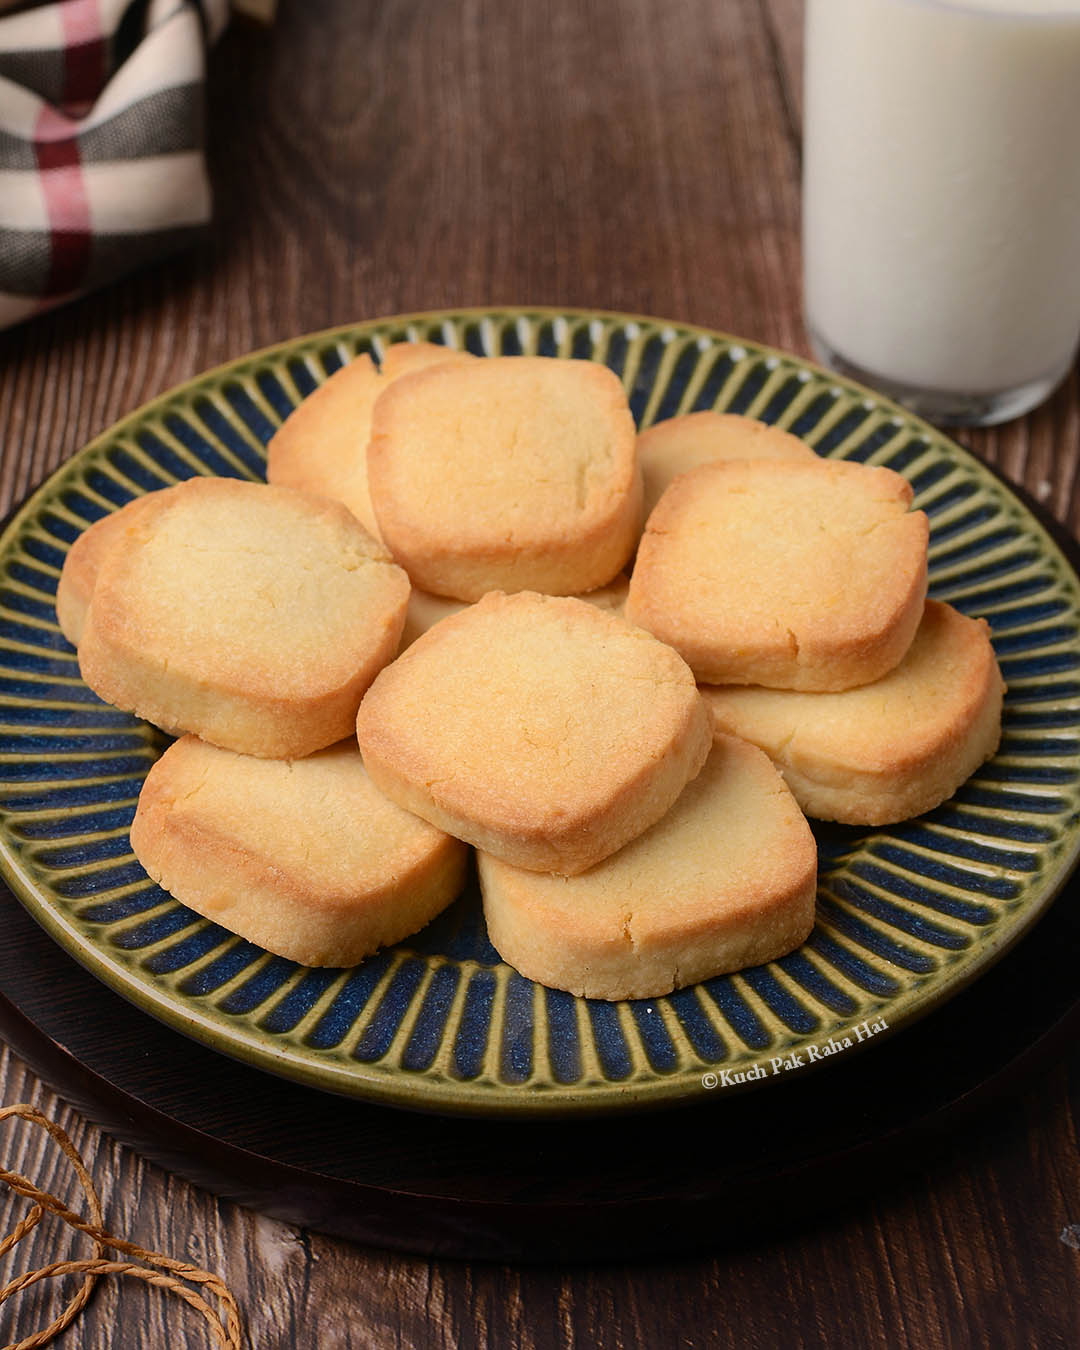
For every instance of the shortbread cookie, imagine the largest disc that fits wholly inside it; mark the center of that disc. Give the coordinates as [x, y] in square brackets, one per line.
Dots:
[405, 358]
[784, 574]
[682, 443]
[322, 446]
[888, 750]
[512, 473]
[79, 573]
[305, 859]
[725, 880]
[538, 728]
[254, 616]
[425, 609]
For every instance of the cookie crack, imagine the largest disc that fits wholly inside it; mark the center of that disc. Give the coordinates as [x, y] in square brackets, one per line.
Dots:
[191, 792]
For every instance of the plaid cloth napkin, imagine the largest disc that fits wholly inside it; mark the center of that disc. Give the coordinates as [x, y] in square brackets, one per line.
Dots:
[101, 141]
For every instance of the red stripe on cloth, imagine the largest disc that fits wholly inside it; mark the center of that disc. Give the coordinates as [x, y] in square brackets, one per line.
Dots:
[84, 51]
[84, 75]
[66, 202]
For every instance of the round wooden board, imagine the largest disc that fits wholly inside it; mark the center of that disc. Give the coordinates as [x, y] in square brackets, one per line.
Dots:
[641, 1185]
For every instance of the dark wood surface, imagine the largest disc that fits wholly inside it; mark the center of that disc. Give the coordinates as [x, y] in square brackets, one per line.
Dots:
[408, 154]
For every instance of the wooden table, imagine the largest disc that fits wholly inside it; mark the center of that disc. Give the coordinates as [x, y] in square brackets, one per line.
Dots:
[624, 154]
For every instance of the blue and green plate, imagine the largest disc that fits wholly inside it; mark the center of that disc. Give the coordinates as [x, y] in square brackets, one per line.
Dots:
[907, 915]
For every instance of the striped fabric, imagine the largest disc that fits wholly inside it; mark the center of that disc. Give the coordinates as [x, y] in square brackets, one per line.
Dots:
[101, 141]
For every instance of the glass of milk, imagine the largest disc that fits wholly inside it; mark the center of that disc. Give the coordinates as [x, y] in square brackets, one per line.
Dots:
[941, 199]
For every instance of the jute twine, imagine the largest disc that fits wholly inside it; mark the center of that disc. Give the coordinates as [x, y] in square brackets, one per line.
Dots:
[157, 1269]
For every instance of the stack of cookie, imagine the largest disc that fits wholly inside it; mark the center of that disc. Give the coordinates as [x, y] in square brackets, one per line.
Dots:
[412, 640]
[796, 590]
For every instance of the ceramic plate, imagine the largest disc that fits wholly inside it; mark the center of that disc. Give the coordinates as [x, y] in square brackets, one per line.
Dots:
[907, 915]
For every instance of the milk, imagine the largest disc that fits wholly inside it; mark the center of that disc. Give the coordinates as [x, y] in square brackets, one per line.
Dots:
[942, 190]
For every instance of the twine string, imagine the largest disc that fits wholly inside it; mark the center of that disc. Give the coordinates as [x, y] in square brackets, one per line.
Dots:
[157, 1269]
[81, 1297]
[21, 1229]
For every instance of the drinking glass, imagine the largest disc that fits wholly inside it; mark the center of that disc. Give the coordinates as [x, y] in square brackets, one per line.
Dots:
[941, 199]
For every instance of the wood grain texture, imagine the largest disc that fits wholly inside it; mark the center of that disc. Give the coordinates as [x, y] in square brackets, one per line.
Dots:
[629, 154]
